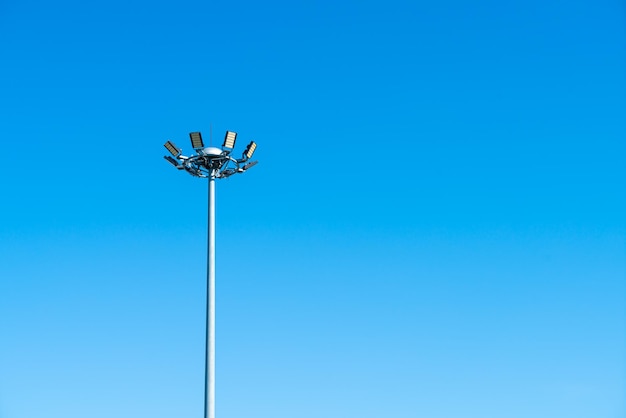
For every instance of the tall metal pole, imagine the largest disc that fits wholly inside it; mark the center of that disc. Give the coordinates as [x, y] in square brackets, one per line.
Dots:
[209, 377]
[212, 163]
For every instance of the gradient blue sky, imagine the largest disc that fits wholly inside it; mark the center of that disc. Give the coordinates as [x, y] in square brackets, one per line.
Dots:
[436, 227]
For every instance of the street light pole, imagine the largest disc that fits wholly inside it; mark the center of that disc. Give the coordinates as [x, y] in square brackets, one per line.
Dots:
[209, 373]
[212, 163]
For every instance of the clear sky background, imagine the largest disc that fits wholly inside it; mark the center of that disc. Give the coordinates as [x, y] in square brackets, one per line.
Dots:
[436, 227]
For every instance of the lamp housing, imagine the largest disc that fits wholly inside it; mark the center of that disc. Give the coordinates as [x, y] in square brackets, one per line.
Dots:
[247, 154]
[196, 140]
[172, 148]
[229, 140]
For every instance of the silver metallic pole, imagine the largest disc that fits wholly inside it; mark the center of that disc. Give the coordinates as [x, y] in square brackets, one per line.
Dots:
[212, 163]
[209, 377]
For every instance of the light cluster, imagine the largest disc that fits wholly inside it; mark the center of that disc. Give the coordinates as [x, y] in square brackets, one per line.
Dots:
[211, 161]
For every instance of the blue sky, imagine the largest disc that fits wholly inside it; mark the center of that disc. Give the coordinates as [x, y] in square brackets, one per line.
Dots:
[435, 228]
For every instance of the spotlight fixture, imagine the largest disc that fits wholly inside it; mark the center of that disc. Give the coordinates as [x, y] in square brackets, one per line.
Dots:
[173, 149]
[250, 164]
[174, 162]
[229, 140]
[247, 154]
[196, 140]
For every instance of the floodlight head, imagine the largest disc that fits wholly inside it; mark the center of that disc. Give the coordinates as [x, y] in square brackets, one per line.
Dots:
[173, 149]
[172, 161]
[196, 140]
[249, 150]
[247, 166]
[229, 140]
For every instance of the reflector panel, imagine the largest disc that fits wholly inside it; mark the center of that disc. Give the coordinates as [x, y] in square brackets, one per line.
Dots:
[250, 150]
[229, 140]
[173, 149]
[196, 140]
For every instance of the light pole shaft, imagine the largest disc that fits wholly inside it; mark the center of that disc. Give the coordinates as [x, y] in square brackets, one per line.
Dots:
[209, 377]
[212, 163]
